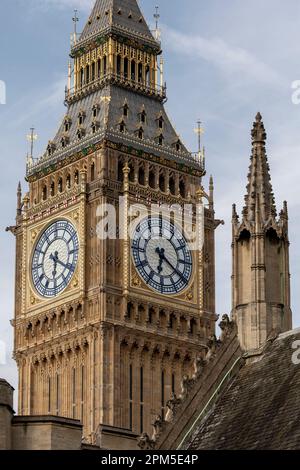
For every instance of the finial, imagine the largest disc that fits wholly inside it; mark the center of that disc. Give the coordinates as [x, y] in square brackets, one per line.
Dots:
[19, 199]
[235, 216]
[157, 32]
[201, 151]
[258, 133]
[75, 20]
[211, 183]
[32, 137]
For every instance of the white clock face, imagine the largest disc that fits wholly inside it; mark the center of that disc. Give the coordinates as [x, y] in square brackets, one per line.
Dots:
[55, 259]
[161, 256]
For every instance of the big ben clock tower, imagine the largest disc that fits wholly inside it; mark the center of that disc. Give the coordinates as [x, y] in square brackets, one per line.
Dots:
[109, 318]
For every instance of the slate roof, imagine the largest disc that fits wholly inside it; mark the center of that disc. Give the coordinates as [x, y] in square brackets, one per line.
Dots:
[114, 112]
[260, 409]
[122, 15]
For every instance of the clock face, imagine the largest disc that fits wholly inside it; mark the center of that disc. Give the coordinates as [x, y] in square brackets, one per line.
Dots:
[55, 259]
[161, 256]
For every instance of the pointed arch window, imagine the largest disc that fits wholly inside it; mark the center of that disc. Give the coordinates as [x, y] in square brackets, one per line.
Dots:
[178, 146]
[80, 133]
[140, 72]
[162, 183]
[64, 141]
[122, 127]
[152, 179]
[126, 67]
[119, 62]
[142, 178]
[92, 171]
[60, 185]
[160, 139]
[160, 122]
[125, 110]
[133, 73]
[44, 193]
[143, 117]
[67, 124]
[93, 74]
[172, 186]
[182, 189]
[95, 110]
[95, 126]
[81, 117]
[141, 133]
[68, 181]
[51, 148]
[52, 189]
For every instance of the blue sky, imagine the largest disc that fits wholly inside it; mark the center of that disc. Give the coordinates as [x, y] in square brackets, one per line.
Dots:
[224, 62]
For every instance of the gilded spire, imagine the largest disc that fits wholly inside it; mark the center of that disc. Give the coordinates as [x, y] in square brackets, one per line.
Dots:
[259, 189]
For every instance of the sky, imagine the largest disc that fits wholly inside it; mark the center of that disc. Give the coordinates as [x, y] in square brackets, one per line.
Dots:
[225, 61]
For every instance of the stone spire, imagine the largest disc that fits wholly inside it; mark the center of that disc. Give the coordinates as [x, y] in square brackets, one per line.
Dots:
[261, 299]
[259, 188]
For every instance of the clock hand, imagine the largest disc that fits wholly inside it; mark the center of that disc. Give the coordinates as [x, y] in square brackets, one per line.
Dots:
[160, 254]
[174, 269]
[55, 260]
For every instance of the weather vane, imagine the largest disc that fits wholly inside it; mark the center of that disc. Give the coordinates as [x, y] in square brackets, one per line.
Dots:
[32, 137]
[157, 17]
[75, 20]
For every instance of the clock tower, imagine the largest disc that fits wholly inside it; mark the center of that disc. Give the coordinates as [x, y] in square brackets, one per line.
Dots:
[113, 301]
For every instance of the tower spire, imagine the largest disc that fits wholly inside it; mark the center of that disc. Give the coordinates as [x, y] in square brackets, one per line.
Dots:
[260, 251]
[259, 188]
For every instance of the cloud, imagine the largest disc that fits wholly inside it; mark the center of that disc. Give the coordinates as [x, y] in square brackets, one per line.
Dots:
[83, 5]
[231, 60]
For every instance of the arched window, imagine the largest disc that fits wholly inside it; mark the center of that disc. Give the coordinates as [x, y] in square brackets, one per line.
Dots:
[132, 73]
[160, 140]
[99, 68]
[52, 189]
[122, 127]
[68, 181]
[140, 73]
[44, 193]
[143, 117]
[60, 185]
[76, 177]
[93, 71]
[148, 75]
[162, 183]
[141, 133]
[120, 172]
[152, 179]
[81, 77]
[160, 123]
[92, 171]
[141, 176]
[182, 189]
[87, 74]
[126, 67]
[104, 65]
[118, 65]
[172, 186]
[132, 173]
[125, 110]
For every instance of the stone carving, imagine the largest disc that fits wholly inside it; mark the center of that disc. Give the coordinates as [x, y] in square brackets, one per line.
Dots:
[157, 427]
[213, 344]
[172, 406]
[226, 327]
[145, 443]
[199, 364]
